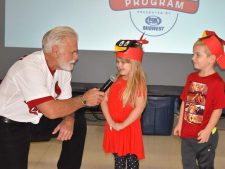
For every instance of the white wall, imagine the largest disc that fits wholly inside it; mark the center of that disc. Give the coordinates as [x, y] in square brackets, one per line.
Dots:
[96, 66]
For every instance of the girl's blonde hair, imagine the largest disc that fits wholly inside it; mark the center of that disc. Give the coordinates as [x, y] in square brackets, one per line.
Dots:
[136, 82]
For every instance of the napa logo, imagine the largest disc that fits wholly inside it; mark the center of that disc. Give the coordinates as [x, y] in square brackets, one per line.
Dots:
[154, 17]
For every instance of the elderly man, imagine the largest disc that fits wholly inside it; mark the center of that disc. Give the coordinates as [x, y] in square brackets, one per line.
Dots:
[40, 84]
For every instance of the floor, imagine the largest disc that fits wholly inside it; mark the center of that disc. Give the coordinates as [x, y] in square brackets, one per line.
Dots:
[162, 152]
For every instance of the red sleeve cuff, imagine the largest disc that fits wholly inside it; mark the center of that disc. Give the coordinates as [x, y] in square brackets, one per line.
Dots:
[34, 103]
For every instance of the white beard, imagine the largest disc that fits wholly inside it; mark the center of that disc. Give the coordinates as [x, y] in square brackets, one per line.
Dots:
[66, 66]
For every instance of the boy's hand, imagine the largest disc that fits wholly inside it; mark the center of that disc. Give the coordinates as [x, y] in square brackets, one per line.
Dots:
[177, 130]
[203, 136]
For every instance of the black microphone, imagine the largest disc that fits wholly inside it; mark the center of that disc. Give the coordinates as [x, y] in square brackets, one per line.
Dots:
[108, 83]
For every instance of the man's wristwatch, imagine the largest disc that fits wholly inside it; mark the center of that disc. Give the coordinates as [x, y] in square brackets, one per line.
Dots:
[84, 102]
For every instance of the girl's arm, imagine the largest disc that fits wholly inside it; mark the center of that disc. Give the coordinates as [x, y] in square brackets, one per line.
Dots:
[139, 106]
[177, 129]
[105, 110]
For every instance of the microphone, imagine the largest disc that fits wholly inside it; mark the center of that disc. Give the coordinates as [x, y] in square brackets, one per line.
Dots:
[108, 83]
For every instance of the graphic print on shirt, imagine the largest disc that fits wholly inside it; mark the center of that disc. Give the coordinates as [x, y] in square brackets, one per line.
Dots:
[34, 110]
[32, 104]
[195, 104]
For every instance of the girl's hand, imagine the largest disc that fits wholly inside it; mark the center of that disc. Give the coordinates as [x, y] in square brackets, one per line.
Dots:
[118, 126]
[111, 124]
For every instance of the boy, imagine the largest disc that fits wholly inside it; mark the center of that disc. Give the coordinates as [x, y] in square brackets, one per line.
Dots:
[203, 99]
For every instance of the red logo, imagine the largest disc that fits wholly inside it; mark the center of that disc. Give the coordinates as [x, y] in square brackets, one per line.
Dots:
[34, 110]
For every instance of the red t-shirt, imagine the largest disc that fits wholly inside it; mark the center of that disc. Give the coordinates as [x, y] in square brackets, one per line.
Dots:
[201, 95]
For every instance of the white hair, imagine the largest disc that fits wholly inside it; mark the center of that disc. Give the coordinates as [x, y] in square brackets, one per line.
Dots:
[55, 36]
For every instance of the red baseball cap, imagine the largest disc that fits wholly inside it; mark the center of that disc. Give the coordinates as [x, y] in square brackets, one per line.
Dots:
[215, 45]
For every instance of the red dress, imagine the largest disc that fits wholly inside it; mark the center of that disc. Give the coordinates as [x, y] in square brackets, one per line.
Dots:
[129, 139]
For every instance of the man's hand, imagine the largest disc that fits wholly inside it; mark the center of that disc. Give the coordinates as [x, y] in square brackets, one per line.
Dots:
[65, 128]
[93, 97]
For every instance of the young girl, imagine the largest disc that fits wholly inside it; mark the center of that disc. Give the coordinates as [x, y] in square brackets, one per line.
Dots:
[123, 105]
